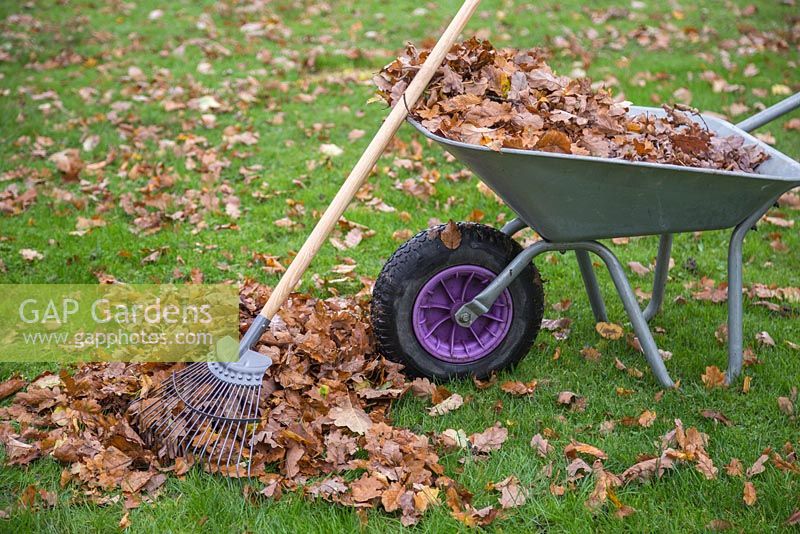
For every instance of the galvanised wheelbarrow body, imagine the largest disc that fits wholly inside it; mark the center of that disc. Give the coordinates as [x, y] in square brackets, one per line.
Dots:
[571, 201]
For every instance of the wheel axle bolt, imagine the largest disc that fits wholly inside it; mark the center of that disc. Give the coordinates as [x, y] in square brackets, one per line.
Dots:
[463, 318]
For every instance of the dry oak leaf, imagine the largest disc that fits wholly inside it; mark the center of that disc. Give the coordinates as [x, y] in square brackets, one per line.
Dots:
[734, 468]
[425, 497]
[11, 386]
[603, 489]
[330, 150]
[716, 416]
[713, 377]
[638, 268]
[765, 339]
[575, 402]
[793, 519]
[554, 141]
[454, 439]
[519, 388]
[758, 466]
[718, 525]
[451, 236]
[572, 450]
[785, 405]
[125, 522]
[490, 439]
[352, 417]
[609, 330]
[577, 469]
[591, 354]
[512, 494]
[749, 494]
[705, 465]
[542, 446]
[648, 468]
[29, 254]
[68, 162]
[647, 418]
[449, 404]
[367, 488]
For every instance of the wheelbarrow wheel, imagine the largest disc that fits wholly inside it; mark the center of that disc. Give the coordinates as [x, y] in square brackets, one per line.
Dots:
[425, 282]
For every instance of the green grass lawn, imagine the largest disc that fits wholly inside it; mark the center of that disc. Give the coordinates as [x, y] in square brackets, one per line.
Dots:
[72, 70]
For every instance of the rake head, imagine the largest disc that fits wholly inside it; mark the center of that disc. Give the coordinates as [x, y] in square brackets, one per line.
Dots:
[208, 410]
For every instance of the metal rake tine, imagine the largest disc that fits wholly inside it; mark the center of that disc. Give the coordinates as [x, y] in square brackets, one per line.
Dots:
[255, 412]
[168, 384]
[230, 427]
[188, 420]
[195, 420]
[212, 418]
[242, 412]
[219, 418]
[252, 394]
[221, 450]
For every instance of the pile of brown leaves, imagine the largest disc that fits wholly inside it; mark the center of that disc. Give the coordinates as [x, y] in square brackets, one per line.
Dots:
[512, 99]
[326, 413]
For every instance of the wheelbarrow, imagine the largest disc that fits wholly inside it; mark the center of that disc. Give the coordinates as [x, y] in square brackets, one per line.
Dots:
[470, 302]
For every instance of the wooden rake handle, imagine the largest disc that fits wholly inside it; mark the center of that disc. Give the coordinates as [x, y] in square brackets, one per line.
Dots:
[368, 159]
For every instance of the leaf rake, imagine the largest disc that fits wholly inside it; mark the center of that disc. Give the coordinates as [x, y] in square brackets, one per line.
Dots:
[210, 410]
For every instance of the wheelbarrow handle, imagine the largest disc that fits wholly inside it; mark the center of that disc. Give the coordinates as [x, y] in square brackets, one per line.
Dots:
[771, 113]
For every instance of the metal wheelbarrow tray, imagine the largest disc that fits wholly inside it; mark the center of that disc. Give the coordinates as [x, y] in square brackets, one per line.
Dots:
[571, 201]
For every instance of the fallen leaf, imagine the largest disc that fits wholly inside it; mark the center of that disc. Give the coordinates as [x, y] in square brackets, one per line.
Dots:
[572, 450]
[647, 418]
[490, 439]
[758, 466]
[609, 330]
[512, 495]
[765, 339]
[785, 405]
[542, 446]
[453, 402]
[718, 525]
[713, 377]
[793, 519]
[519, 388]
[366, 488]
[749, 494]
[454, 439]
[352, 417]
[451, 235]
[69, 163]
[11, 386]
[330, 150]
[30, 255]
[734, 468]
[717, 416]
[638, 268]
[591, 354]
[575, 402]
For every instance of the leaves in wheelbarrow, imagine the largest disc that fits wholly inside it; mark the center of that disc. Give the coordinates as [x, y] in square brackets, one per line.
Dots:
[508, 98]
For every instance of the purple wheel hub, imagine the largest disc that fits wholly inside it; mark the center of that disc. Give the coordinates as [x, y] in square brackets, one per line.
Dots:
[434, 312]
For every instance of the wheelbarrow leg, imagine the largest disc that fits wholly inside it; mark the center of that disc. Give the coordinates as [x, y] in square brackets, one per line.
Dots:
[660, 278]
[470, 311]
[592, 288]
[635, 314]
[735, 313]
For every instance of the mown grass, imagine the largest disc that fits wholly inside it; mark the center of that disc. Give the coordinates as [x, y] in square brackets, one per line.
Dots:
[681, 501]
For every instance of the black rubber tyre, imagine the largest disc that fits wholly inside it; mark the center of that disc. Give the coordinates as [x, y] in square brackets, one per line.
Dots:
[416, 262]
